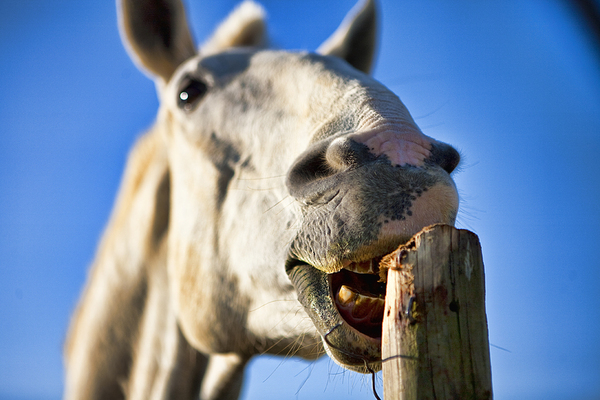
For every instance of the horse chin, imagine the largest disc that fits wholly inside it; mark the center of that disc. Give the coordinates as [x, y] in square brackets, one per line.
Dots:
[347, 310]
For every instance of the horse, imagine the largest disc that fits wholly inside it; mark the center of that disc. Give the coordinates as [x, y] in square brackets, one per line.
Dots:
[253, 214]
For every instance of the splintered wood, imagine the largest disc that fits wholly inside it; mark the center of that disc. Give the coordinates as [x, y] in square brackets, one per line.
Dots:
[435, 336]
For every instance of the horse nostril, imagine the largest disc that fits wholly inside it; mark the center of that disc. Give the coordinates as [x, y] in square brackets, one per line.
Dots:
[315, 174]
[311, 165]
[445, 156]
[305, 180]
[344, 153]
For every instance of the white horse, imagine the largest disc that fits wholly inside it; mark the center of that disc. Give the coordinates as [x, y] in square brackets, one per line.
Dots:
[253, 214]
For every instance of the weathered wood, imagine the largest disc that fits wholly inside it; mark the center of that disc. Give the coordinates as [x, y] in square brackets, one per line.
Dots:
[435, 336]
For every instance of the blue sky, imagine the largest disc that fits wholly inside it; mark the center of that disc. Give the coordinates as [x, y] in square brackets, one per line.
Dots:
[514, 85]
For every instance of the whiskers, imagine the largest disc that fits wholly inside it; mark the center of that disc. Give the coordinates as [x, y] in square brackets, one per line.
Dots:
[291, 321]
[283, 206]
[261, 178]
[467, 214]
[364, 359]
[322, 378]
[276, 182]
[430, 113]
[278, 199]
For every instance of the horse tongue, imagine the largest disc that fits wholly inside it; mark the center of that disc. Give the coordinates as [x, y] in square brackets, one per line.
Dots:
[361, 311]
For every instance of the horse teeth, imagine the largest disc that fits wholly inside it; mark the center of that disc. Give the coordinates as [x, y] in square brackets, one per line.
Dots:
[346, 295]
[366, 305]
[363, 267]
[361, 306]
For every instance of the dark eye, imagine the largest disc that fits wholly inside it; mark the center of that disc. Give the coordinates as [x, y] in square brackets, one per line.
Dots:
[191, 92]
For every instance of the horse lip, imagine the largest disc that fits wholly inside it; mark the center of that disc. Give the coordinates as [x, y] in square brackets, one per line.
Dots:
[345, 344]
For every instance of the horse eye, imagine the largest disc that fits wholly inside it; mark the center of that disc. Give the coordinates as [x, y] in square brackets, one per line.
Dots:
[192, 91]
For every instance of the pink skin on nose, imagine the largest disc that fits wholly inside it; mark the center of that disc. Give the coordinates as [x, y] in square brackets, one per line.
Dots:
[407, 147]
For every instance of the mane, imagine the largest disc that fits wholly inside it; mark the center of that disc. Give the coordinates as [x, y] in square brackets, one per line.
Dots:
[244, 26]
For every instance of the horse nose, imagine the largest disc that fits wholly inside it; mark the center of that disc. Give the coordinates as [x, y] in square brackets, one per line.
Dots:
[317, 173]
[348, 151]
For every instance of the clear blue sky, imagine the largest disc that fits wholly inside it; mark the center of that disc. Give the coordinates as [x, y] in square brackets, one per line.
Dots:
[514, 85]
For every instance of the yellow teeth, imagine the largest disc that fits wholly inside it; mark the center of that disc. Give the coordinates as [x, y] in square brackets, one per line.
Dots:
[366, 305]
[360, 305]
[363, 267]
[346, 295]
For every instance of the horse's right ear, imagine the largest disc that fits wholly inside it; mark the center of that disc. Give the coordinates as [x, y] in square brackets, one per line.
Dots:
[356, 38]
[156, 34]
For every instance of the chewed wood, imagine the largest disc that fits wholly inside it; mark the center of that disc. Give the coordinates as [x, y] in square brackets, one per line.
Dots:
[435, 336]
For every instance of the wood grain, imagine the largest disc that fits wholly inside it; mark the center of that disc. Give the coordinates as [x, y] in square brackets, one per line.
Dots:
[435, 336]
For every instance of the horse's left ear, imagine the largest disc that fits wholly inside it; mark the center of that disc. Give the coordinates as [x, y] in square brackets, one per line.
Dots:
[156, 34]
[355, 39]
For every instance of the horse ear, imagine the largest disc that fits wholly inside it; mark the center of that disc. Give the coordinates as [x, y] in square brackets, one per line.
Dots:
[356, 37]
[156, 34]
[244, 27]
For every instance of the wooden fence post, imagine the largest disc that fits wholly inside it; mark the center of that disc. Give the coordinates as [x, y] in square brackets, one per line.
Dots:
[435, 334]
